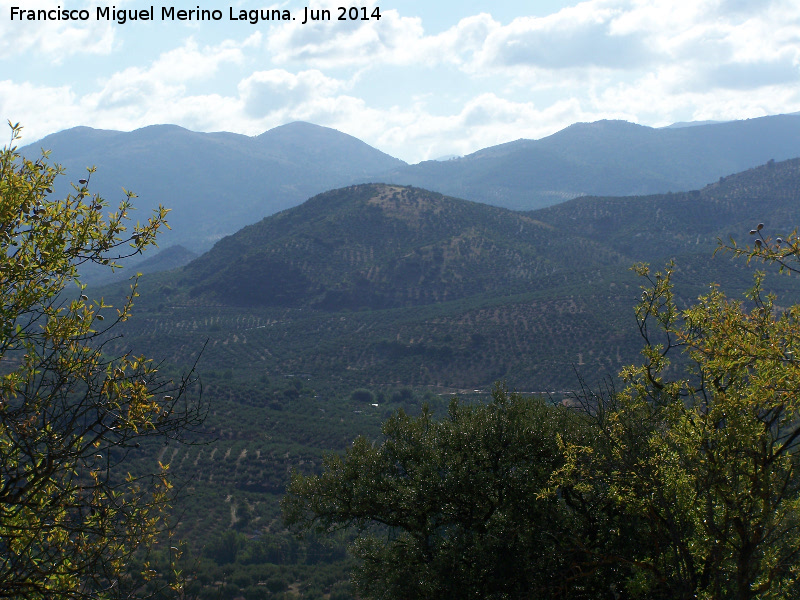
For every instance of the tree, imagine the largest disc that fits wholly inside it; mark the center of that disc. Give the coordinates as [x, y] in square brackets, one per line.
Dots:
[703, 453]
[456, 508]
[70, 520]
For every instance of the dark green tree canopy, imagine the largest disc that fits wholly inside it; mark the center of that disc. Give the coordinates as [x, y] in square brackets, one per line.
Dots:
[457, 507]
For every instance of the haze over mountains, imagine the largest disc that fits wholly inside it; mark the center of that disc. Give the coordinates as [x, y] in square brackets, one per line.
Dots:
[216, 183]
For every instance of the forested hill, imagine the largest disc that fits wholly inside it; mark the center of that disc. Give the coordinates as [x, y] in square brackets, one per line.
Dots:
[381, 246]
[654, 227]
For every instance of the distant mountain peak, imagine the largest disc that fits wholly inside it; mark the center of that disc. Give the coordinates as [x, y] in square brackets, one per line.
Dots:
[605, 123]
[214, 183]
[301, 125]
[607, 158]
[161, 127]
[296, 127]
[304, 130]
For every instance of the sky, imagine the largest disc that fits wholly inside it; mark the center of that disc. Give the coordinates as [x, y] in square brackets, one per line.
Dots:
[428, 79]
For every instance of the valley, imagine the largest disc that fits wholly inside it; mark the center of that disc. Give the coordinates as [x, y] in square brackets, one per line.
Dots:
[313, 324]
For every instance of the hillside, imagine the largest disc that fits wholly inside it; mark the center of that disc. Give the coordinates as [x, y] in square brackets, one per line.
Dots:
[375, 285]
[214, 183]
[651, 227]
[607, 158]
[163, 260]
[379, 246]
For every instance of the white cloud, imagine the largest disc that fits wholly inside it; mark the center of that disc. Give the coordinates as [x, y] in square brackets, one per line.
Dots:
[670, 94]
[485, 120]
[581, 36]
[190, 61]
[577, 43]
[333, 43]
[264, 92]
[52, 41]
[136, 96]
[40, 109]
[137, 90]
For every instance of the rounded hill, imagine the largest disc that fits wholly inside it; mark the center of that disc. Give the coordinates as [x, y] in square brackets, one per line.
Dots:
[381, 246]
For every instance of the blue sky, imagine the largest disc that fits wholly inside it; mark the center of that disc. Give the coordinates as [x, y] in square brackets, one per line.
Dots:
[426, 80]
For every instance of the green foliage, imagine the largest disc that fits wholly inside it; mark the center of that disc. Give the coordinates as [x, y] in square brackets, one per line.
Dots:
[451, 508]
[69, 412]
[705, 458]
[363, 396]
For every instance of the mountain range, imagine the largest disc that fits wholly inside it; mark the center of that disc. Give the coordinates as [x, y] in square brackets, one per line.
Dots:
[606, 158]
[216, 183]
[213, 183]
[330, 292]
